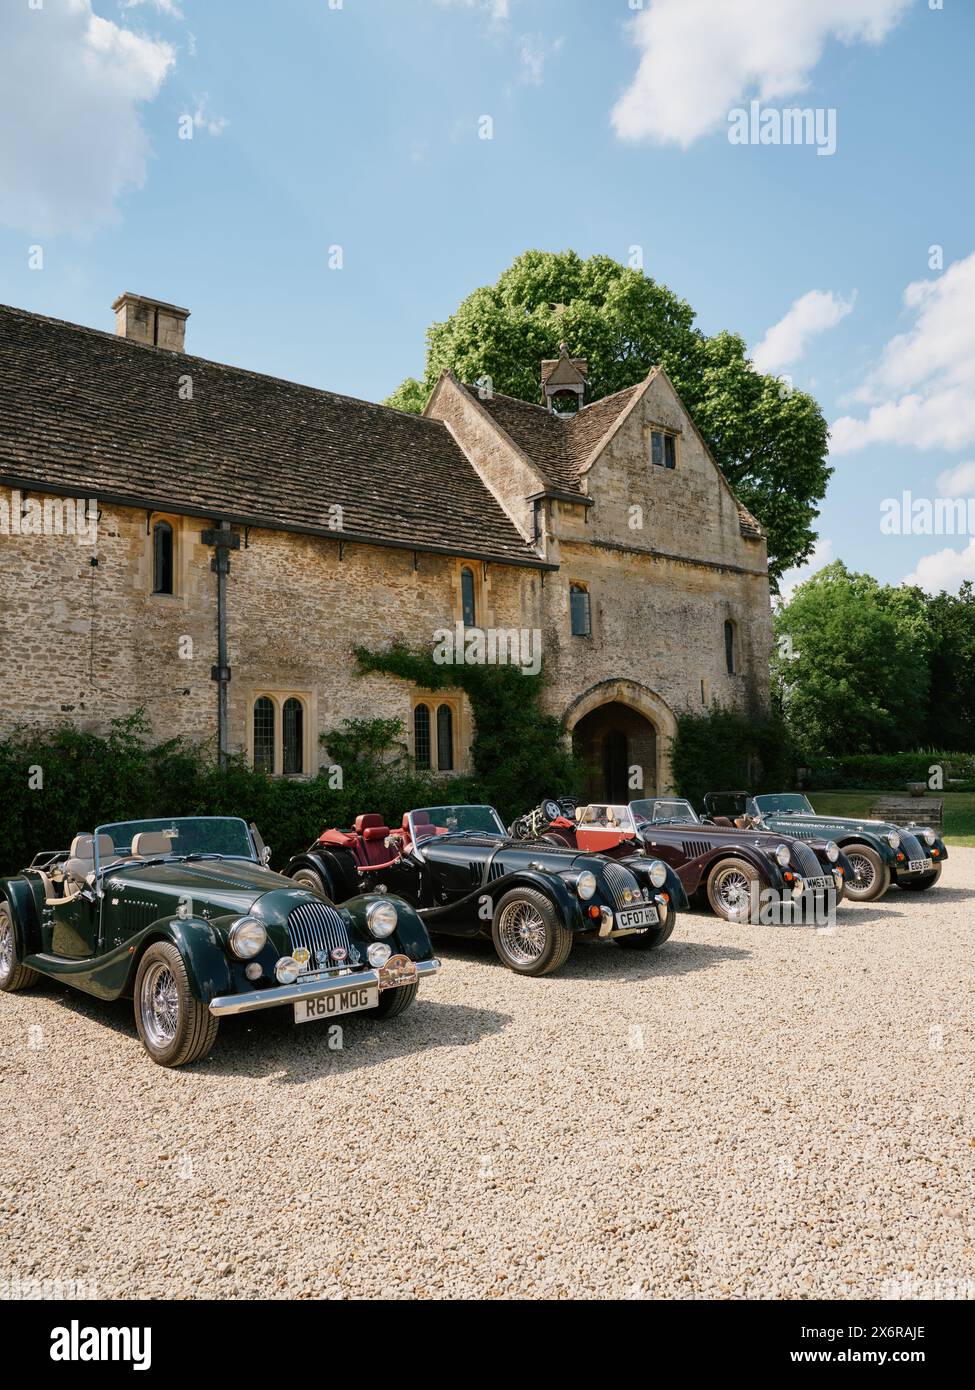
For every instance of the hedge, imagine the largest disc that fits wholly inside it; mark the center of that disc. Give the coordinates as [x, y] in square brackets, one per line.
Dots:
[723, 750]
[889, 771]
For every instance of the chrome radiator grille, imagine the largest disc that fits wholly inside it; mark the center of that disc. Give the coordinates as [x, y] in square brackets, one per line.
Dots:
[806, 860]
[318, 927]
[912, 846]
[618, 881]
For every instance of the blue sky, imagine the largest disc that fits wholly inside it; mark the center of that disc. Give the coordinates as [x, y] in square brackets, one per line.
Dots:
[357, 126]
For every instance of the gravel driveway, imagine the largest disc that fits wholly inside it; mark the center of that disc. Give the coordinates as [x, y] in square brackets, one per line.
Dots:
[750, 1112]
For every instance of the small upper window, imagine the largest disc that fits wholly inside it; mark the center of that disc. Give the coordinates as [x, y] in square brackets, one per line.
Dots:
[579, 611]
[468, 606]
[663, 449]
[421, 736]
[162, 558]
[293, 737]
[729, 646]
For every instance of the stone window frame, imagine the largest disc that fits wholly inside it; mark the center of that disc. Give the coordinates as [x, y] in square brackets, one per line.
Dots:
[732, 650]
[587, 590]
[479, 571]
[460, 731]
[279, 696]
[180, 550]
[656, 427]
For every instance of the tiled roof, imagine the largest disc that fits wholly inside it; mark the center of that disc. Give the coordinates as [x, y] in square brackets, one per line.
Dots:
[93, 414]
[561, 447]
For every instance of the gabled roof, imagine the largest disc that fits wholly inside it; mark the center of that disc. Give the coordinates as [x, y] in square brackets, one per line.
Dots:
[92, 414]
[562, 447]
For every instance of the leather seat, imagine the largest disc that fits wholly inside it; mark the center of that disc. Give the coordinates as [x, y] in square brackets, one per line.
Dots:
[149, 844]
[371, 832]
[722, 820]
[81, 857]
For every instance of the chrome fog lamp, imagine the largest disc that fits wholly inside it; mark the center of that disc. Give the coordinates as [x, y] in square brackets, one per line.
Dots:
[378, 953]
[381, 917]
[658, 873]
[287, 971]
[247, 937]
[586, 885]
[832, 852]
[782, 855]
[253, 971]
[893, 839]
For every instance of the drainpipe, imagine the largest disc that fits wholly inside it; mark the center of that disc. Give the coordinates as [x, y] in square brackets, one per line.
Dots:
[223, 540]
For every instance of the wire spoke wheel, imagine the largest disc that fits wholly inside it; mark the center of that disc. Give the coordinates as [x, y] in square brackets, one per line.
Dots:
[6, 946]
[522, 933]
[732, 889]
[159, 1005]
[864, 873]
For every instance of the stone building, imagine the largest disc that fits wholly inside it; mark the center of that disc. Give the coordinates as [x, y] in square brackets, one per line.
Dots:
[211, 544]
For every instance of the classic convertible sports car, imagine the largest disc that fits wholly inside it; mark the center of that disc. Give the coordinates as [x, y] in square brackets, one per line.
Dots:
[466, 876]
[880, 853]
[733, 866]
[184, 916]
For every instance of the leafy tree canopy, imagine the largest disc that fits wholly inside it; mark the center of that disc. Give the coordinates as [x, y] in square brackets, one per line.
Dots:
[771, 442]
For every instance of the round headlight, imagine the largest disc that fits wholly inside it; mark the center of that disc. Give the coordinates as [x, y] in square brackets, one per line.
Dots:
[247, 937]
[378, 953]
[893, 839]
[381, 917]
[832, 852]
[586, 884]
[287, 971]
[782, 855]
[658, 873]
[929, 837]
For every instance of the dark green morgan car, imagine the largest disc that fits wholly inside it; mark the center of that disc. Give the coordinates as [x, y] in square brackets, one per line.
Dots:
[185, 917]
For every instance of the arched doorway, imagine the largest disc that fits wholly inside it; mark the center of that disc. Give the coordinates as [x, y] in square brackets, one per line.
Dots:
[619, 748]
[601, 718]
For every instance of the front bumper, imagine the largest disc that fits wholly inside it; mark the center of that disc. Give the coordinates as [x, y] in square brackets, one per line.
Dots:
[313, 989]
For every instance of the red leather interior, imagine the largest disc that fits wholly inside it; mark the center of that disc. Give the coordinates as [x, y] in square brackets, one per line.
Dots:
[599, 839]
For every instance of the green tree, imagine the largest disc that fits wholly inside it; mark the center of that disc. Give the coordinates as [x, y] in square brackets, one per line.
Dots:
[770, 442]
[951, 704]
[851, 668]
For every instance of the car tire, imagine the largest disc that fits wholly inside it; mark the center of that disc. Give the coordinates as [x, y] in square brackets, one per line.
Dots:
[731, 881]
[175, 1028]
[527, 933]
[393, 1002]
[13, 975]
[871, 876]
[918, 885]
[310, 878]
[652, 937]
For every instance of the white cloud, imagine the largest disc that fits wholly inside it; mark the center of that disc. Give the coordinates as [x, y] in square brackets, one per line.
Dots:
[71, 85]
[958, 481]
[945, 569]
[163, 6]
[702, 57]
[786, 340]
[922, 391]
[535, 49]
[822, 554]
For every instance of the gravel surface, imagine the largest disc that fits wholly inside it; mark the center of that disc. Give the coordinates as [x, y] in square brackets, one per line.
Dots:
[750, 1112]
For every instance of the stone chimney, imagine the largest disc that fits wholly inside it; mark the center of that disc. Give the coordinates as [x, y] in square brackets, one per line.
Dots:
[564, 382]
[150, 321]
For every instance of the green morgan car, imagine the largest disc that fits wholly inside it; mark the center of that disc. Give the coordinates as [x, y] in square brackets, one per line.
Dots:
[185, 917]
[879, 853]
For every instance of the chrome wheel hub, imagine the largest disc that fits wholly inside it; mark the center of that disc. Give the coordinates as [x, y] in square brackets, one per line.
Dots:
[159, 1005]
[6, 946]
[521, 932]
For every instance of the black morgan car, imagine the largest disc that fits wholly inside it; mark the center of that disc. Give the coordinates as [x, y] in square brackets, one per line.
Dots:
[184, 916]
[467, 877]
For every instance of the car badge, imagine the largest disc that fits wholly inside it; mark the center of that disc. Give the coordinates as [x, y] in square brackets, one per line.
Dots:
[302, 955]
[628, 895]
[354, 956]
[321, 958]
[339, 954]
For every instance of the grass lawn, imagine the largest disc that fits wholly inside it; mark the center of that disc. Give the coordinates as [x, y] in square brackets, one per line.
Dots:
[959, 827]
